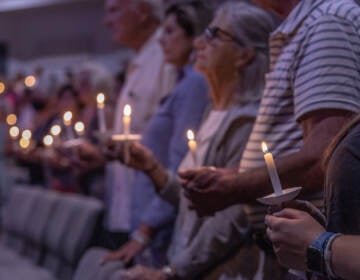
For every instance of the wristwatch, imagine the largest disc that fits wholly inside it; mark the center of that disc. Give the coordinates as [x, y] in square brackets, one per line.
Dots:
[315, 261]
[169, 272]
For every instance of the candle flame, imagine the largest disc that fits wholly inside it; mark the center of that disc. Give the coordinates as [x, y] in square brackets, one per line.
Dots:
[79, 127]
[24, 143]
[100, 98]
[11, 119]
[26, 134]
[127, 110]
[190, 135]
[48, 140]
[30, 81]
[264, 147]
[55, 130]
[67, 117]
[14, 132]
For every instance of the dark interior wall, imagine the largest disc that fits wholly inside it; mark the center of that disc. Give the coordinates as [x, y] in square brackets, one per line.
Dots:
[70, 28]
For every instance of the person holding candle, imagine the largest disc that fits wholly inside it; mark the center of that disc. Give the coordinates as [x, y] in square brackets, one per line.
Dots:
[300, 111]
[229, 62]
[151, 217]
[342, 197]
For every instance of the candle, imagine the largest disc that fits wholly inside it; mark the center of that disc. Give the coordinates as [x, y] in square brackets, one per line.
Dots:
[100, 99]
[270, 164]
[79, 128]
[192, 145]
[48, 140]
[24, 143]
[67, 118]
[126, 123]
[127, 119]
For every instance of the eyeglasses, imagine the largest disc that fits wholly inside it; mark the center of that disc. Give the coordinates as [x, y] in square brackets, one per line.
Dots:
[212, 33]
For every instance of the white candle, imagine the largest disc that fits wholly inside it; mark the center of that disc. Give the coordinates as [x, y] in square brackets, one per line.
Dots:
[192, 145]
[127, 119]
[270, 164]
[126, 123]
[100, 99]
[67, 118]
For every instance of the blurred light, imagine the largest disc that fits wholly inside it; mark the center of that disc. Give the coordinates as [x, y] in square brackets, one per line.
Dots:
[2, 87]
[30, 81]
[11, 119]
[24, 143]
[55, 130]
[14, 132]
[48, 140]
[79, 128]
[67, 117]
[26, 134]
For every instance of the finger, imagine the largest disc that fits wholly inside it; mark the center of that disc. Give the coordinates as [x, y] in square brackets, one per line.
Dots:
[289, 213]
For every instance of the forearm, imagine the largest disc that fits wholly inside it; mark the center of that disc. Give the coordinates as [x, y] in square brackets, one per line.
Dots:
[345, 257]
[295, 170]
[158, 174]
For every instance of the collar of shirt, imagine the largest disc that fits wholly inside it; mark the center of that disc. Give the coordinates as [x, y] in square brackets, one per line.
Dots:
[296, 18]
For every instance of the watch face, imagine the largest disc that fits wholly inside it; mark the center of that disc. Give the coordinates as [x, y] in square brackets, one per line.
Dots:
[314, 261]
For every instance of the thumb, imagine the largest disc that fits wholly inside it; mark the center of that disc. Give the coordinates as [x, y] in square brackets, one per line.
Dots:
[289, 213]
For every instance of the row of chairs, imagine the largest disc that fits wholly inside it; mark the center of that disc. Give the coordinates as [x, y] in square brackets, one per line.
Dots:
[45, 233]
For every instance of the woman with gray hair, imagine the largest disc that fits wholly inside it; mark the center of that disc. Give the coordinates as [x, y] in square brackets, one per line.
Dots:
[232, 56]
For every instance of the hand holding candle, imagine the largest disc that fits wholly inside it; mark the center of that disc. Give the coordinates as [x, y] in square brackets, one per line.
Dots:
[100, 99]
[192, 145]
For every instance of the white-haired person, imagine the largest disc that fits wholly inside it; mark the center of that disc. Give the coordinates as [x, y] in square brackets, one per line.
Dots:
[232, 55]
[134, 24]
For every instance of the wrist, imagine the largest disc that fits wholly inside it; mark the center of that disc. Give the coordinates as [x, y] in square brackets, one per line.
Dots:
[328, 257]
[315, 253]
[140, 237]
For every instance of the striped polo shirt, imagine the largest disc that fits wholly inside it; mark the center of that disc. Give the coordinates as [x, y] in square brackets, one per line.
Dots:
[314, 64]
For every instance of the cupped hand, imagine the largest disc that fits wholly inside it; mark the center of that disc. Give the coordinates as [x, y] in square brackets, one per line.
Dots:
[291, 232]
[209, 189]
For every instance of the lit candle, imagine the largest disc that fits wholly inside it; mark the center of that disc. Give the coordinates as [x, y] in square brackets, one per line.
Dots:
[100, 99]
[126, 123]
[192, 145]
[67, 118]
[79, 128]
[127, 119]
[270, 164]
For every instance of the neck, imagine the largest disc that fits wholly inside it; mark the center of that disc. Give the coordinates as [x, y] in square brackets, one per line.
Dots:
[223, 90]
[143, 36]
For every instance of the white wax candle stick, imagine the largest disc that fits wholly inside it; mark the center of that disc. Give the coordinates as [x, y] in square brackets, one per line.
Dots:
[100, 98]
[126, 125]
[192, 146]
[270, 164]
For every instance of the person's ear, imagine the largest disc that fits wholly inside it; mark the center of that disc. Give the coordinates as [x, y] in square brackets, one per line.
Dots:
[245, 57]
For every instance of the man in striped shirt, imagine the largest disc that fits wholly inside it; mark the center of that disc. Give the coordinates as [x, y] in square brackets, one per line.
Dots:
[312, 89]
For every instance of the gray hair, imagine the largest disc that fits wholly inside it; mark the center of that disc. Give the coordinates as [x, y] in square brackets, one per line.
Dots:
[252, 26]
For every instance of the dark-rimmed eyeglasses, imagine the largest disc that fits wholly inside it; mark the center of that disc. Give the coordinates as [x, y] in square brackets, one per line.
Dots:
[213, 32]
